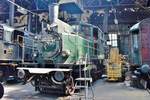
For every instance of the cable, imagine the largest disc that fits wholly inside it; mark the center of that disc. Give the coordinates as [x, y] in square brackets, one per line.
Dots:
[36, 15]
[117, 23]
[115, 17]
[22, 7]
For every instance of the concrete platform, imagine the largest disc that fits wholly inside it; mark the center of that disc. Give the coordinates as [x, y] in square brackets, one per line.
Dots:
[102, 91]
[118, 91]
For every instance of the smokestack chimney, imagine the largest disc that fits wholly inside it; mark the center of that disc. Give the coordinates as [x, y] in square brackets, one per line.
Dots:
[53, 12]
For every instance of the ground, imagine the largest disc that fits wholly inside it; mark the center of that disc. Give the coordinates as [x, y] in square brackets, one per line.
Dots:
[102, 91]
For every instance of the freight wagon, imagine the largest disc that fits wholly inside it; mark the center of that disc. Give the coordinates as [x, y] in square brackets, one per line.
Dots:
[140, 52]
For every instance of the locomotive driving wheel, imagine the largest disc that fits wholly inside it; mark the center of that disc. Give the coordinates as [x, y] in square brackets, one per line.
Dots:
[1, 90]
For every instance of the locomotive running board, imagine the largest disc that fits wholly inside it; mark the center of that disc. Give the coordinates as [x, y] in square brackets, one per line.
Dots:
[44, 70]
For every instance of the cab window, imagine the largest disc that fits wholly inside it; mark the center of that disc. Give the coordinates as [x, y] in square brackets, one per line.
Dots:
[7, 36]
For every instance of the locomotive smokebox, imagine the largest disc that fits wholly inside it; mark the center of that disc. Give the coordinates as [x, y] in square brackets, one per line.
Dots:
[53, 13]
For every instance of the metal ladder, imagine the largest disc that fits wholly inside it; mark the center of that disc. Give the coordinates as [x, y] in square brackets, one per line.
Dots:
[87, 82]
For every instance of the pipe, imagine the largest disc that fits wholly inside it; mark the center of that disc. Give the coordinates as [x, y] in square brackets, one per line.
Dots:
[53, 12]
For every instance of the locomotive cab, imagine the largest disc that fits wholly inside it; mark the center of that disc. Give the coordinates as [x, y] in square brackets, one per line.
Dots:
[9, 48]
[10, 51]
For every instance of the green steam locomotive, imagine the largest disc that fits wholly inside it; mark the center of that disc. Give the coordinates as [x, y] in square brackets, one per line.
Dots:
[62, 53]
[58, 56]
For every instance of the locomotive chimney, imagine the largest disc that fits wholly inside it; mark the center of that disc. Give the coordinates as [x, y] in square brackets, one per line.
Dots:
[53, 12]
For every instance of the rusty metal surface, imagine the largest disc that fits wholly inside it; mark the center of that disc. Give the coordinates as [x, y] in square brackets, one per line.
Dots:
[145, 41]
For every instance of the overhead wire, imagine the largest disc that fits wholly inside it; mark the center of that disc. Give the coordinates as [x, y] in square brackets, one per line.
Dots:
[36, 15]
[22, 7]
[115, 18]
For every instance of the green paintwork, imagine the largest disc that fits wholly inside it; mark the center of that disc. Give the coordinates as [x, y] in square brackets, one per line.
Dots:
[75, 45]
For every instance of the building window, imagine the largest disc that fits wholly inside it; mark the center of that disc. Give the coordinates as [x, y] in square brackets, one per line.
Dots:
[113, 40]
